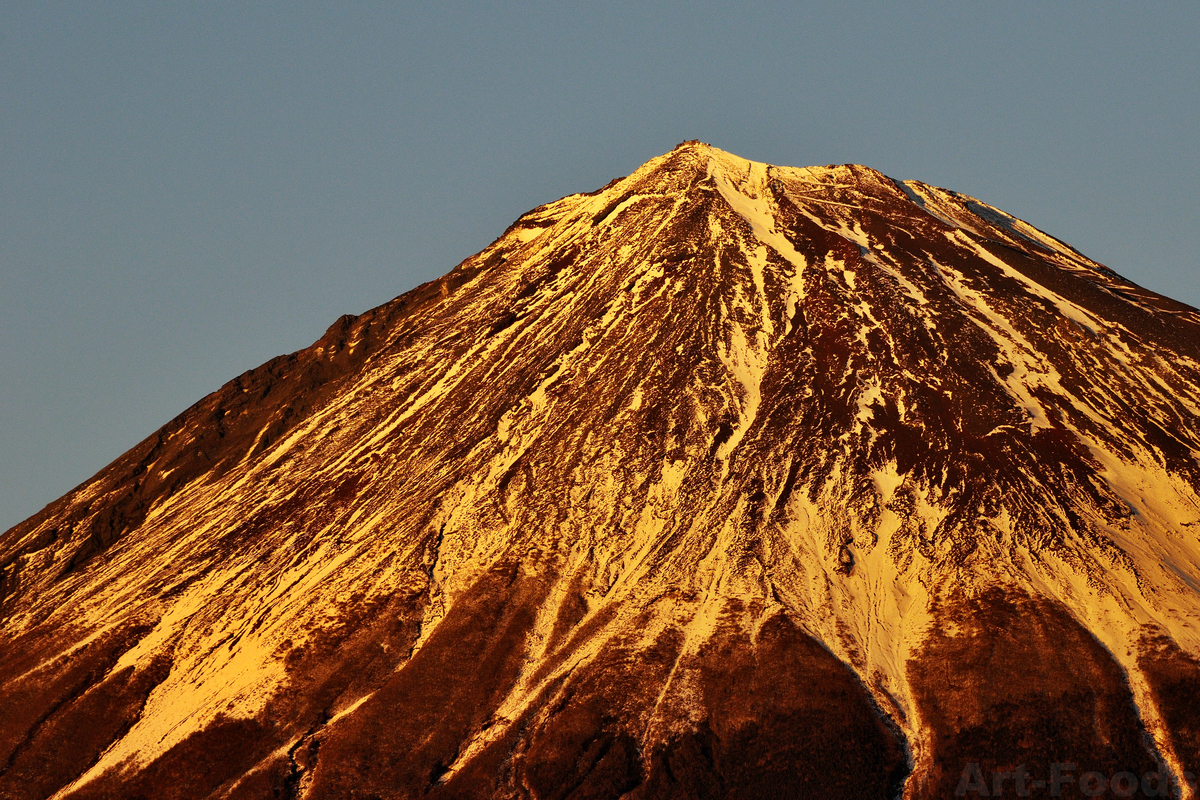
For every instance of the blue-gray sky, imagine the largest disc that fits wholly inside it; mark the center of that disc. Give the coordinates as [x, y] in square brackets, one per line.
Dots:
[187, 190]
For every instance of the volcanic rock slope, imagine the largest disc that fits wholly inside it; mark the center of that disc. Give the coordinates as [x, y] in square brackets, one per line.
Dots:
[727, 480]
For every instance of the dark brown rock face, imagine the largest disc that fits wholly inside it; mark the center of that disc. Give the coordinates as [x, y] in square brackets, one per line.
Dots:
[724, 481]
[1012, 680]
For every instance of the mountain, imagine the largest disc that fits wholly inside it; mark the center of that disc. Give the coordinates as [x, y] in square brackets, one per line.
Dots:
[725, 480]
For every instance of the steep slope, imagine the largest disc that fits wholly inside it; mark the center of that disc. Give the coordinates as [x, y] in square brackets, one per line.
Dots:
[724, 480]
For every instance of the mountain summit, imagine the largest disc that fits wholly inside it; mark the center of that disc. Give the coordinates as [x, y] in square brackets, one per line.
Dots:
[726, 480]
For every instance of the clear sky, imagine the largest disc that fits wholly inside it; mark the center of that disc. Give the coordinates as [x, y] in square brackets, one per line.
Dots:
[188, 189]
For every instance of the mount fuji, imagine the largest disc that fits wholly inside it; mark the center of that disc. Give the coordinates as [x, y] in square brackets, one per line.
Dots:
[726, 480]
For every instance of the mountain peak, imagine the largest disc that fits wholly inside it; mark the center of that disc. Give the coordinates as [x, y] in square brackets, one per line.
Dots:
[668, 489]
[713, 160]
